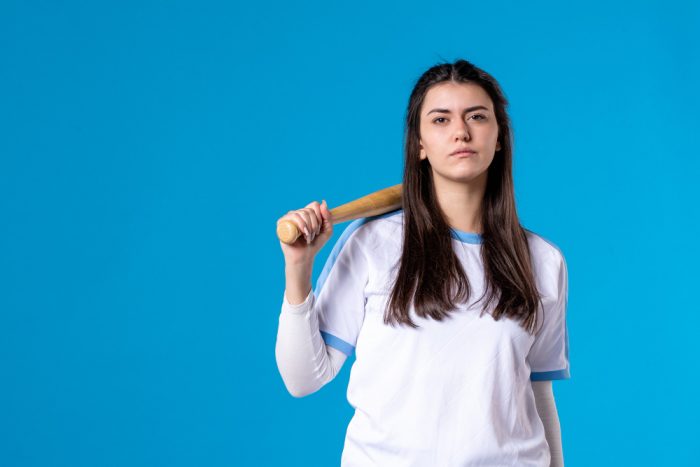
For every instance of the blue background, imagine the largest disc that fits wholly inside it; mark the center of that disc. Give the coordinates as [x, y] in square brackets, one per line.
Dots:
[148, 148]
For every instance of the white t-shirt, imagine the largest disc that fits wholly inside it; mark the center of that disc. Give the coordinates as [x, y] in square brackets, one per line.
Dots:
[449, 393]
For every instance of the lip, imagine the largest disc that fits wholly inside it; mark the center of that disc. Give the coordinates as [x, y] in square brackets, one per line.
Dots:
[463, 152]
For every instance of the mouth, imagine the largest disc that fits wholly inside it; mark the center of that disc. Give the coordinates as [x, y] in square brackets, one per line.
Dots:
[464, 150]
[463, 153]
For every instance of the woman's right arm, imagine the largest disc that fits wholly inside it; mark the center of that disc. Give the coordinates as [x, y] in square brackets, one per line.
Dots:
[304, 361]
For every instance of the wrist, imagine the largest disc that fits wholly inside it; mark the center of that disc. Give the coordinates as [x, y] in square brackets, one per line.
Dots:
[299, 267]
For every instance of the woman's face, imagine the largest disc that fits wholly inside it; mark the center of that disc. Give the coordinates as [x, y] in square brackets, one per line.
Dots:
[456, 116]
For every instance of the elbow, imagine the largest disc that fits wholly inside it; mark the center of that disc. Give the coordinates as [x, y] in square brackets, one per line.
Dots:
[296, 382]
[300, 369]
[297, 394]
[299, 391]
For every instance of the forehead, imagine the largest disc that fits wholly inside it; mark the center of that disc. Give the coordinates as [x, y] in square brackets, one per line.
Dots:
[455, 96]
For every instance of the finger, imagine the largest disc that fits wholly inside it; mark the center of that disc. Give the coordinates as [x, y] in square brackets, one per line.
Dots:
[314, 223]
[299, 217]
[310, 218]
[316, 207]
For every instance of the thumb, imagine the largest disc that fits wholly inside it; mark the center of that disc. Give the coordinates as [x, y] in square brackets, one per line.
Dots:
[327, 219]
[327, 215]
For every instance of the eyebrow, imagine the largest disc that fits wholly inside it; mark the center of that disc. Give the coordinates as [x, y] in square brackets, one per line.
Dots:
[468, 109]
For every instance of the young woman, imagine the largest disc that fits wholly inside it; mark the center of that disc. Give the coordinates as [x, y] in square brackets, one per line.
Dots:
[441, 377]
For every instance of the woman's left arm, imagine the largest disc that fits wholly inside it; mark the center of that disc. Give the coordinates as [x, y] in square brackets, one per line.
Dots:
[547, 409]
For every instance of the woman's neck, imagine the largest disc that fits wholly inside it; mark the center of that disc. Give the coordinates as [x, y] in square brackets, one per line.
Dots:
[461, 202]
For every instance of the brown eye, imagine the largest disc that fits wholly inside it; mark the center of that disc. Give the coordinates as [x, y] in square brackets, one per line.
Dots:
[479, 115]
[439, 118]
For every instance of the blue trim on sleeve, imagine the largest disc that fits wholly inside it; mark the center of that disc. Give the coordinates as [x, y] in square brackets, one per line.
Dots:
[549, 375]
[337, 343]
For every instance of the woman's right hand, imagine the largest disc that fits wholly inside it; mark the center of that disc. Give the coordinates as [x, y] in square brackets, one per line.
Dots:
[315, 222]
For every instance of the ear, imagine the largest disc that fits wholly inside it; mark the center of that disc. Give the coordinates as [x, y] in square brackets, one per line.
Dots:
[423, 155]
[498, 145]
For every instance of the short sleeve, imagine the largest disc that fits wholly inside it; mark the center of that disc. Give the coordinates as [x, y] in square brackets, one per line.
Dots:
[340, 291]
[549, 354]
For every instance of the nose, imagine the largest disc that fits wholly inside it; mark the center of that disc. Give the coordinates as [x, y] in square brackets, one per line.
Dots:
[462, 132]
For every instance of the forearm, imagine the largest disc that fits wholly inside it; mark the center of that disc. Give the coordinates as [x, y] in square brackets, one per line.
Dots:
[297, 282]
[547, 410]
[304, 361]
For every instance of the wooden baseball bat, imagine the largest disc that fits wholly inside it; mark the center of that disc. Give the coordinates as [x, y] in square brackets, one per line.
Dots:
[379, 202]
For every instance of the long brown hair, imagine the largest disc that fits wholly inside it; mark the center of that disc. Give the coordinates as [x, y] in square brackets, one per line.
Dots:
[429, 271]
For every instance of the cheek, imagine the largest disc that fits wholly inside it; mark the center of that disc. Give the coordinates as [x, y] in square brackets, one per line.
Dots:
[494, 135]
[423, 135]
[429, 139]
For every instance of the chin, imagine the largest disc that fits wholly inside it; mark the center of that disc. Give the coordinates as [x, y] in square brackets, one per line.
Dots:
[461, 174]
[466, 177]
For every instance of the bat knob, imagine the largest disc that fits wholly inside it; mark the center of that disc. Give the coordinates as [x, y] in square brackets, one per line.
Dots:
[287, 232]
